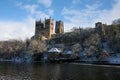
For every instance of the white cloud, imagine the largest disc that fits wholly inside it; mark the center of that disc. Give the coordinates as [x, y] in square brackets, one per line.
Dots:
[50, 12]
[30, 8]
[75, 1]
[16, 30]
[80, 18]
[35, 12]
[46, 3]
[25, 28]
[69, 26]
[90, 15]
[115, 12]
[108, 16]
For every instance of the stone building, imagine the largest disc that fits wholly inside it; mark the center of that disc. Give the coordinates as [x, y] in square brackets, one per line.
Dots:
[102, 30]
[46, 28]
[59, 27]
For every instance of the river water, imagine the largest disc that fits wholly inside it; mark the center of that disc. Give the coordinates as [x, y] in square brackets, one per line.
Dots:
[66, 71]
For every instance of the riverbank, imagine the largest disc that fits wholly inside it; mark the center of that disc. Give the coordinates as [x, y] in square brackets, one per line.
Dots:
[104, 64]
[108, 61]
[97, 63]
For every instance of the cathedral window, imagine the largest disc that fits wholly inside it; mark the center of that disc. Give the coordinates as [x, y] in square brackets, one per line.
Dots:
[51, 23]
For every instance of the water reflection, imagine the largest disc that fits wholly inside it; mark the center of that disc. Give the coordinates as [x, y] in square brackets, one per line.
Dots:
[12, 71]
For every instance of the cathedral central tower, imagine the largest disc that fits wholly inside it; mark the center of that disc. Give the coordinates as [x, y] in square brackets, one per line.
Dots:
[44, 28]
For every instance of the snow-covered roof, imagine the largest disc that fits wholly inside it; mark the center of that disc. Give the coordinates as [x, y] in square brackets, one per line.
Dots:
[68, 52]
[54, 50]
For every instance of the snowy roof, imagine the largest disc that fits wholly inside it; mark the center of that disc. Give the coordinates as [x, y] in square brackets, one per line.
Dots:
[68, 52]
[55, 50]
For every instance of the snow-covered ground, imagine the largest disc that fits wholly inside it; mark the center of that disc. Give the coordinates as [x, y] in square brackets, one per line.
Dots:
[115, 59]
[105, 47]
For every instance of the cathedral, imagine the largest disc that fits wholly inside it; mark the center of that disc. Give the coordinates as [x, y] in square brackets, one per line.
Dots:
[46, 28]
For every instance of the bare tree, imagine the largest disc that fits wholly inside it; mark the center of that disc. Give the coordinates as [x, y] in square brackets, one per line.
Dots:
[36, 46]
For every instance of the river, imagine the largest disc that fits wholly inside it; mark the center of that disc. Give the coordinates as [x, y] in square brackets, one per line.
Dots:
[66, 71]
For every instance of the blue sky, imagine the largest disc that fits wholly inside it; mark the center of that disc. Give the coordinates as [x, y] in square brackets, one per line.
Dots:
[17, 17]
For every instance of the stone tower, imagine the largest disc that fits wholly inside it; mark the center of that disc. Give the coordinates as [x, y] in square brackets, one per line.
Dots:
[101, 29]
[49, 24]
[59, 27]
[98, 27]
[44, 28]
